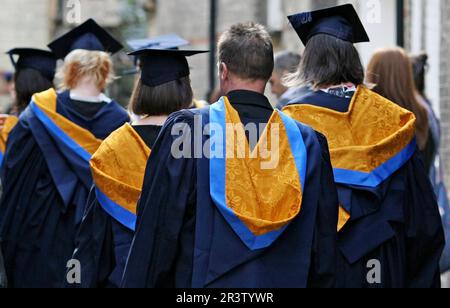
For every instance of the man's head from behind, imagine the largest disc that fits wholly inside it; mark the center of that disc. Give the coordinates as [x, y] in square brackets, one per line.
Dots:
[245, 58]
[286, 63]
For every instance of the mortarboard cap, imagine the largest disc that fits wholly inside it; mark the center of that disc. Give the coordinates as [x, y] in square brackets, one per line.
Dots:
[87, 36]
[170, 41]
[41, 60]
[159, 66]
[340, 21]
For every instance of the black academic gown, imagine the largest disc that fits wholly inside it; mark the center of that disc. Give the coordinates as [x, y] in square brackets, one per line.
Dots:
[396, 224]
[102, 243]
[183, 241]
[38, 221]
[3, 278]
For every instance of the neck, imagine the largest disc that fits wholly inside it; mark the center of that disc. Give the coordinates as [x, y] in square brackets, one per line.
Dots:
[258, 86]
[86, 89]
[151, 120]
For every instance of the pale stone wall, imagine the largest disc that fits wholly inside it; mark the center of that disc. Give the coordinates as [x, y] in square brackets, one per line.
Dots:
[445, 85]
[23, 23]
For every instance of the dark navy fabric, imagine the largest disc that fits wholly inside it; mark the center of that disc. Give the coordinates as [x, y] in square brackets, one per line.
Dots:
[45, 189]
[183, 241]
[397, 223]
[324, 100]
[102, 243]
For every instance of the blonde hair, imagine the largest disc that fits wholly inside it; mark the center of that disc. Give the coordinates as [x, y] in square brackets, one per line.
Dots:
[97, 65]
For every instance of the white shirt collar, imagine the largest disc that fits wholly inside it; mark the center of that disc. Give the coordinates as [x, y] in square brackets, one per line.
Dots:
[101, 98]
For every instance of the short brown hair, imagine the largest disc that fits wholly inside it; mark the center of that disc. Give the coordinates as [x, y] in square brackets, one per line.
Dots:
[161, 100]
[247, 50]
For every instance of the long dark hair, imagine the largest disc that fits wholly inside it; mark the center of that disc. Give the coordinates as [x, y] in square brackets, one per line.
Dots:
[390, 70]
[27, 83]
[328, 61]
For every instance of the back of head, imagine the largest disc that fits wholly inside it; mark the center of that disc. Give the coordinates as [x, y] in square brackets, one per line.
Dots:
[161, 100]
[247, 51]
[94, 66]
[390, 71]
[27, 83]
[287, 61]
[328, 61]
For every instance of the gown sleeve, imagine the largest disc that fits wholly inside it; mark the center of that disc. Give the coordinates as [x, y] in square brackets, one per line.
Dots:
[168, 194]
[323, 260]
[29, 201]
[425, 236]
[20, 173]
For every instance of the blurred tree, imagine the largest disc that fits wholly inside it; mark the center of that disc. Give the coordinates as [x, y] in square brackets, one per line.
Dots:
[135, 18]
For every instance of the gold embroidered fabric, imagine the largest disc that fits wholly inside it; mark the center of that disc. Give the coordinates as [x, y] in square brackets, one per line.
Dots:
[264, 199]
[344, 217]
[9, 125]
[118, 167]
[373, 130]
[46, 101]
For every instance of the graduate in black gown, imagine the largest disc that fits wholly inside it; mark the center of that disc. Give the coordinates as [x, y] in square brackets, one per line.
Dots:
[34, 73]
[212, 219]
[390, 234]
[46, 173]
[118, 167]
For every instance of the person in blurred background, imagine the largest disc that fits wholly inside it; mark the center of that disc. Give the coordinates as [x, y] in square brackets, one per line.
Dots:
[46, 176]
[118, 168]
[388, 210]
[206, 224]
[286, 63]
[7, 91]
[420, 65]
[390, 72]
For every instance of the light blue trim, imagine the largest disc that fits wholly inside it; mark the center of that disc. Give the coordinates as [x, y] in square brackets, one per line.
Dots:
[375, 178]
[218, 177]
[297, 144]
[58, 133]
[119, 213]
[123, 216]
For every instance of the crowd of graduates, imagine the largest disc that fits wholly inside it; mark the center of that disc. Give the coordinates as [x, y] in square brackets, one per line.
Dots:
[356, 180]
